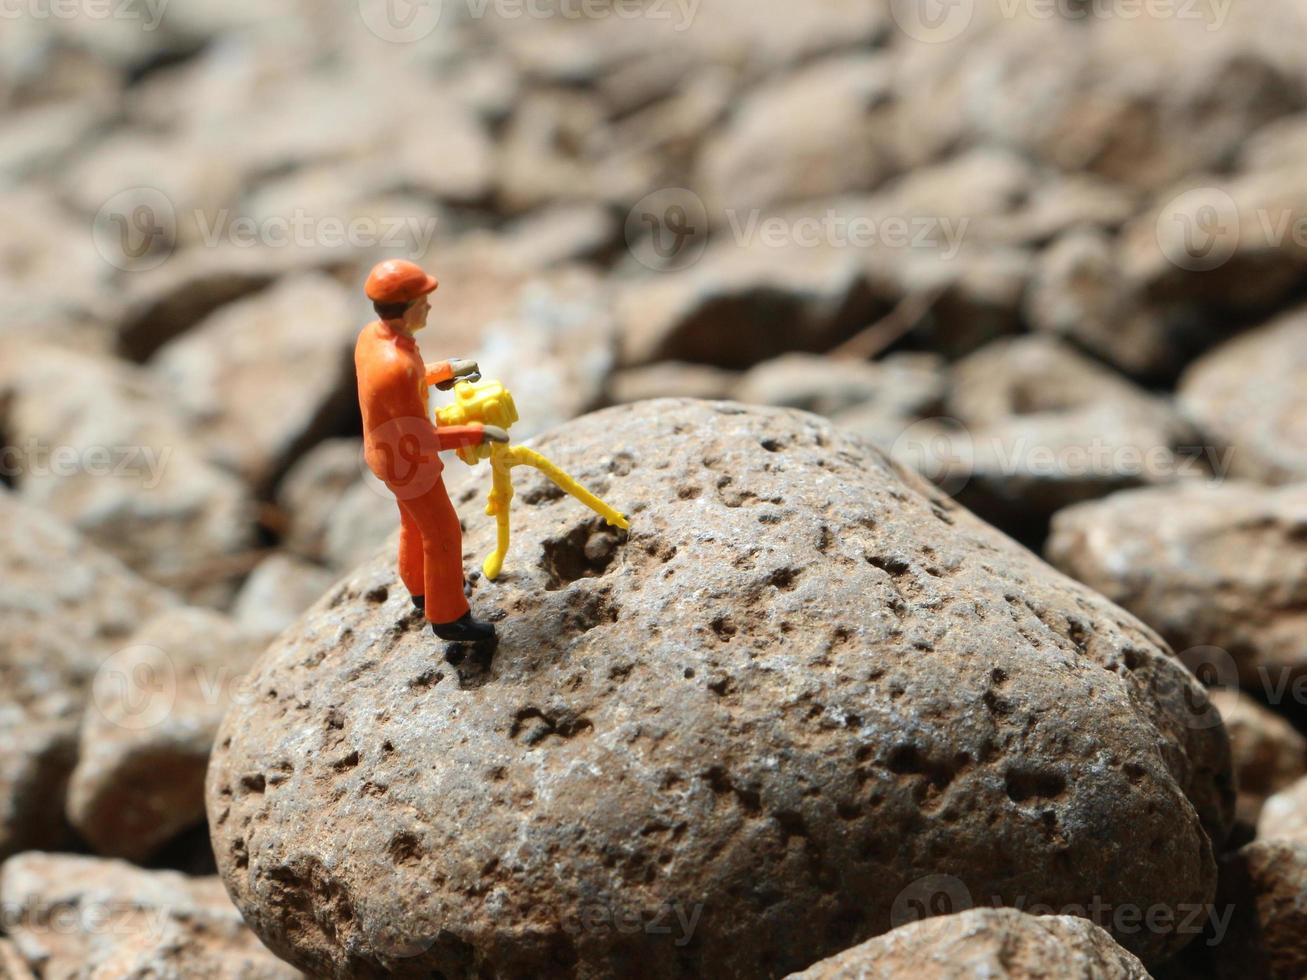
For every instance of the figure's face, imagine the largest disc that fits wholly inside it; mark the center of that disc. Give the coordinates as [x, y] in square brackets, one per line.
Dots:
[416, 316]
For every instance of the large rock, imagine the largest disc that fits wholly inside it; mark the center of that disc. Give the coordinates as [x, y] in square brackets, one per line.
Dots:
[1207, 566]
[262, 379]
[65, 606]
[997, 944]
[78, 917]
[100, 447]
[1251, 395]
[804, 681]
[146, 736]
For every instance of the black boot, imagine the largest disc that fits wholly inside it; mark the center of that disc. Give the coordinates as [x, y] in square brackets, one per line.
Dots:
[465, 630]
[420, 602]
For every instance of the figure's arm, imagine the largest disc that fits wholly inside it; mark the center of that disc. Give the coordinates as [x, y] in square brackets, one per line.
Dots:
[438, 373]
[458, 436]
[443, 374]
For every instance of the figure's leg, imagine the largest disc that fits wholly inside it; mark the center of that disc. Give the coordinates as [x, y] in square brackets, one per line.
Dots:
[442, 554]
[411, 570]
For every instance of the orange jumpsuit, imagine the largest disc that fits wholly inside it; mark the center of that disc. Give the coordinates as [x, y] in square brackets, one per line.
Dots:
[401, 446]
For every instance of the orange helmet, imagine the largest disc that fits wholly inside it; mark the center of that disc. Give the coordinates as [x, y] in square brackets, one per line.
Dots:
[398, 281]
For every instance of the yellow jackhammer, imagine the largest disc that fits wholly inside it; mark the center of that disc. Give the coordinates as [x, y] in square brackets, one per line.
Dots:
[490, 403]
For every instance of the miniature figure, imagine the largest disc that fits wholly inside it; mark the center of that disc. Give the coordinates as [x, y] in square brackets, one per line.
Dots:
[401, 445]
[490, 402]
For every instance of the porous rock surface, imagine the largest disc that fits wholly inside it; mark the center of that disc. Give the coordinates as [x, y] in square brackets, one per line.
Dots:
[997, 944]
[803, 681]
[78, 918]
[1206, 565]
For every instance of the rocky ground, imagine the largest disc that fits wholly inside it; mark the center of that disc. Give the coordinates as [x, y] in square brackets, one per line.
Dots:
[857, 307]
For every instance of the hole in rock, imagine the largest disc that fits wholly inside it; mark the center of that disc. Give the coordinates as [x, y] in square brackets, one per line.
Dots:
[586, 551]
[1028, 784]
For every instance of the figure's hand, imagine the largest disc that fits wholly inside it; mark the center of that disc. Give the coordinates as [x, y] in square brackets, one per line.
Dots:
[462, 370]
[493, 433]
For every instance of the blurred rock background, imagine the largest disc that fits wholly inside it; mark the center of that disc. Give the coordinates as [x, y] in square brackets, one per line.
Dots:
[1052, 255]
